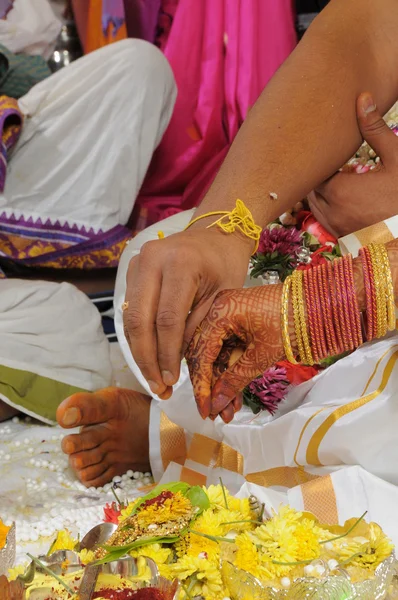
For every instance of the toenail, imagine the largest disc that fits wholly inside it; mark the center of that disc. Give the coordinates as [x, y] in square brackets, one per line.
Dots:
[71, 417]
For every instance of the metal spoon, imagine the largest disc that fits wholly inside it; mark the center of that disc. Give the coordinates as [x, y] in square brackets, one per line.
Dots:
[97, 536]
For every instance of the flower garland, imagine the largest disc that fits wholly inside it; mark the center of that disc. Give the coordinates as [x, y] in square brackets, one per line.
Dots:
[295, 241]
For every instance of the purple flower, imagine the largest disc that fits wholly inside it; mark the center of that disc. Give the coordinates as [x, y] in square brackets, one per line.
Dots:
[270, 388]
[283, 240]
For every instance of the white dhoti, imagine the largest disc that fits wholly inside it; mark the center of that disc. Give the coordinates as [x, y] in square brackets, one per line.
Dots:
[330, 449]
[51, 345]
[88, 137]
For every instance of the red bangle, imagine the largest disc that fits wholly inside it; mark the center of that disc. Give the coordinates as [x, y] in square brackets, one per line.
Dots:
[318, 321]
[311, 311]
[330, 332]
[325, 313]
[343, 305]
[335, 311]
[353, 301]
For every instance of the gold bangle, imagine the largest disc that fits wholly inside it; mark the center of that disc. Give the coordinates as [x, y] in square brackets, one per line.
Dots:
[380, 290]
[306, 356]
[285, 321]
[391, 319]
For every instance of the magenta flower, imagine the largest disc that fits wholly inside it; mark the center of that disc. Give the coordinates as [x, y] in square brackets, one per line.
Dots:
[270, 388]
[283, 240]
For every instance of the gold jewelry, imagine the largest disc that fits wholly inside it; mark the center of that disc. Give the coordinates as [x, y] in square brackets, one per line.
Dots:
[380, 290]
[125, 306]
[298, 301]
[285, 321]
[391, 320]
[239, 218]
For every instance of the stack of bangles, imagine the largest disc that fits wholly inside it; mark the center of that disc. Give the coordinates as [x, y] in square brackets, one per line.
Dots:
[327, 320]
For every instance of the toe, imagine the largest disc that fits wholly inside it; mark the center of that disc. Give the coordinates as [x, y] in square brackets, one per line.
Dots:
[87, 439]
[100, 480]
[90, 409]
[83, 460]
[92, 473]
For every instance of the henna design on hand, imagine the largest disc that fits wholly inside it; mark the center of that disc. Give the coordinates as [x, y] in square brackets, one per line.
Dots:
[249, 319]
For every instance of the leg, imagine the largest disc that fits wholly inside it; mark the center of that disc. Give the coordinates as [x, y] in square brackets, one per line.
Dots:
[95, 126]
[114, 434]
[7, 412]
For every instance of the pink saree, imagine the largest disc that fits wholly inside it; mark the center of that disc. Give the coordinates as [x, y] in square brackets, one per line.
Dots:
[223, 53]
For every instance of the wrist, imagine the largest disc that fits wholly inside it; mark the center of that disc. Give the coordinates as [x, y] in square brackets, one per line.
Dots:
[235, 239]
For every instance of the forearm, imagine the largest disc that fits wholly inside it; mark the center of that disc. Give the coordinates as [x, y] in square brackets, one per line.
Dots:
[304, 126]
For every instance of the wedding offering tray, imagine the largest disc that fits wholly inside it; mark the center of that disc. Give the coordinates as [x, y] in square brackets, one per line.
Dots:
[185, 542]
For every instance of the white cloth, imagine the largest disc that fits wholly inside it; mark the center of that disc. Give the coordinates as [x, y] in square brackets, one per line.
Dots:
[30, 27]
[54, 331]
[88, 137]
[343, 423]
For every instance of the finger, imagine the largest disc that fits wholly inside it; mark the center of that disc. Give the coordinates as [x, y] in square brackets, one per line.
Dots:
[202, 354]
[234, 380]
[375, 130]
[142, 296]
[176, 297]
[228, 413]
[237, 402]
[195, 318]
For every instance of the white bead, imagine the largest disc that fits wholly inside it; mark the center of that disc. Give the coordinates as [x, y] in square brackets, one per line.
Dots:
[26, 441]
[130, 473]
[319, 569]
[309, 569]
[7, 457]
[148, 474]
[328, 546]
[332, 564]
[285, 582]
[117, 479]
[136, 475]
[17, 444]
[15, 420]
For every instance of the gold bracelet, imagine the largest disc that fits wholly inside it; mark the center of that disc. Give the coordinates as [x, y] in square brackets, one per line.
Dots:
[285, 321]
[391, 319]
[380, 290]
[306, 356]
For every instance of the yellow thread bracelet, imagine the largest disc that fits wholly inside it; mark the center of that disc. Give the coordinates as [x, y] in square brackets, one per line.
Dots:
[230, 220]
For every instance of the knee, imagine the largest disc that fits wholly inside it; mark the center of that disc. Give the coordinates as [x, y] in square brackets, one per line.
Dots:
[134, 59]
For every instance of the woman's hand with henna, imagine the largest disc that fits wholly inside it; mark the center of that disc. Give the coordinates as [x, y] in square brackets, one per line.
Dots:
[247, 319]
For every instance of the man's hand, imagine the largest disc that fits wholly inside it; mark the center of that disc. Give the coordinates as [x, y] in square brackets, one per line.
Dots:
[171, 285]
[348, 202]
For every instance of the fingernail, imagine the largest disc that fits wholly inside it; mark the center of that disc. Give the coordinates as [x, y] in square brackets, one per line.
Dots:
[368, 104]
[154, 386]
[71, 417]
[219, 403]
[168, 377]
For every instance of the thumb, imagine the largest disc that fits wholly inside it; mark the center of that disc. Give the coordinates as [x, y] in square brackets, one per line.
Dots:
[374, 129]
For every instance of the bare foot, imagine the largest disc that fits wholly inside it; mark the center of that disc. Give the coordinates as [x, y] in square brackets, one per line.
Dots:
[114, 435]
[7, 412]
